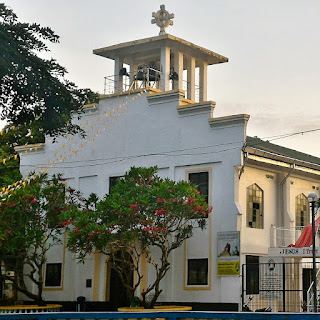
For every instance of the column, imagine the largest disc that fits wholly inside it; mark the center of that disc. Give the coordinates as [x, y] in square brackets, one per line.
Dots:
[164, 68]
[191, 70]
[203, 81]
[118, 81]
[133, 72]
[178, 68]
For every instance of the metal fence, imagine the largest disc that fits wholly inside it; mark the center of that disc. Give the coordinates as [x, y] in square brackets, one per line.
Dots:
[281, 286]
[185, 315]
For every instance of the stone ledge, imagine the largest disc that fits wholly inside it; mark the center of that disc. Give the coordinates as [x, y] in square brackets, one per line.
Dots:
[228, 120]
[165, 97]
[30, 147]
[196, 108]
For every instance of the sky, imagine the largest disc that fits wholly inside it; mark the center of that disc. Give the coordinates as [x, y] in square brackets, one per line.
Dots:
[273, 47]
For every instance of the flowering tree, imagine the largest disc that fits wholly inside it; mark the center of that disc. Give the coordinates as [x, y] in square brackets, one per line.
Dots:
[143, 214]
[30, 225]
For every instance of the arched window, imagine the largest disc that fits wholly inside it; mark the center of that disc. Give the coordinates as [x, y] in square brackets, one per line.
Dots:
[254, 207]
[302, 210]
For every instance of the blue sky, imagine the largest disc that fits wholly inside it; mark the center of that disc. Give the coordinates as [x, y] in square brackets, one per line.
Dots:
[273, 47]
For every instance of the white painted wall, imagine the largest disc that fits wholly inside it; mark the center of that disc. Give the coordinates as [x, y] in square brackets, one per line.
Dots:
[139, 134]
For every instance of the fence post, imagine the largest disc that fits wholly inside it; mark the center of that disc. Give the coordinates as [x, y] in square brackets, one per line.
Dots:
[242, 289]
[284, 286]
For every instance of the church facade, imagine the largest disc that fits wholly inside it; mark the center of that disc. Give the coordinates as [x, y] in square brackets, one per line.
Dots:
[157, 113]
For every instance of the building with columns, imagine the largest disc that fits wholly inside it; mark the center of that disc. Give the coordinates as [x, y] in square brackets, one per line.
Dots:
[167, 52]
[155, 112]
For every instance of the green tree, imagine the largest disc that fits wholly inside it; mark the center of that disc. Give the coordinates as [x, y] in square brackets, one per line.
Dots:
[143, 214]
[33, 88]
[9, 138]
[30, 224]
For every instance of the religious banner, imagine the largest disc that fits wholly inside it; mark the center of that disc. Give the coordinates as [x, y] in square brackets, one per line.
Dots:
[228, 253]
[292, 252]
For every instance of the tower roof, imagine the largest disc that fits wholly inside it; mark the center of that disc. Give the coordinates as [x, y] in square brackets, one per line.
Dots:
[148, 48]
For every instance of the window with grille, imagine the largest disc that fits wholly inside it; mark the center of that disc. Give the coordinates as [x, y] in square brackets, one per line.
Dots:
[254, 207]
[53, 274]
[302, 210]
[252, 274]
[113, 181]
[197, 272]
[201, 181]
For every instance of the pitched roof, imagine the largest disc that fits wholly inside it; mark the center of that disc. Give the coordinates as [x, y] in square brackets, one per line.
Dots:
[266, 146]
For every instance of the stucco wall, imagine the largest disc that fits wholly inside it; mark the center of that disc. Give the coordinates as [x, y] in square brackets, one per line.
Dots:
[143, 134]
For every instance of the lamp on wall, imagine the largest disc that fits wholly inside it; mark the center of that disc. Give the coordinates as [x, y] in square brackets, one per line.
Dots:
[313, 198]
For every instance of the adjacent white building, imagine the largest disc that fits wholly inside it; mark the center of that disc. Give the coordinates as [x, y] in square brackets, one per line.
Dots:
[157, 114]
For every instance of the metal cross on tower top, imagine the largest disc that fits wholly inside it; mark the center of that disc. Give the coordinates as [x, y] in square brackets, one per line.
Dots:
[162, 19]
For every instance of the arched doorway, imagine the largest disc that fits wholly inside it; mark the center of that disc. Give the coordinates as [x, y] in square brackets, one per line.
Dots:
[117, 291]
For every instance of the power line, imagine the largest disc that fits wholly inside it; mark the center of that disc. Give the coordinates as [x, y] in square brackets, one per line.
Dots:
[286, 135]
[171, 153]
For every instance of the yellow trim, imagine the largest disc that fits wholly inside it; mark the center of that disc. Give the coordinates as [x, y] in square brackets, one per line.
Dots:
[126, 93]
[144, 272]
[44, 288]
[89, 106]
[107, 274]
[32, 307]
[269, 161]
[158, 92]
[199, 104]
[96, 279]
[28, 146]
[208, 286]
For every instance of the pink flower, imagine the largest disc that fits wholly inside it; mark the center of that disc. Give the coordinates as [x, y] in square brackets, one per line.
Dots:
[198, 192]
[71, 190]
[91, 234]
[190, 200]
[76, 231]
[200, 208]
[210, 210]
[134, 206]
[161, 200]
[34, 201]
[147, 229]
[161, 212]
[66, 223]
[11, 204]
[9, 232]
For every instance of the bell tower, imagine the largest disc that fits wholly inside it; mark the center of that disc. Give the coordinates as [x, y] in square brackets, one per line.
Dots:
[164, 62]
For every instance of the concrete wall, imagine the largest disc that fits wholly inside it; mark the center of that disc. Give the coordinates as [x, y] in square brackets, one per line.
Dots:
[127, 131]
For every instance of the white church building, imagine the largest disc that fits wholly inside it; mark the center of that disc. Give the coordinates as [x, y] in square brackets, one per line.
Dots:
[155, 112]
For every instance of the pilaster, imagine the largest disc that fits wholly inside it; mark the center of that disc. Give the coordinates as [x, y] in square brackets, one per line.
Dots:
[203, 81]
[164, 68]
[118, 80]
[178, 68]
[191, 78]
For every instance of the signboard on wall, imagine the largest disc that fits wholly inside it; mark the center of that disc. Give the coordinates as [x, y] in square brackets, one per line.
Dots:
[228, 253]
[271, 278]
[292, 252]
